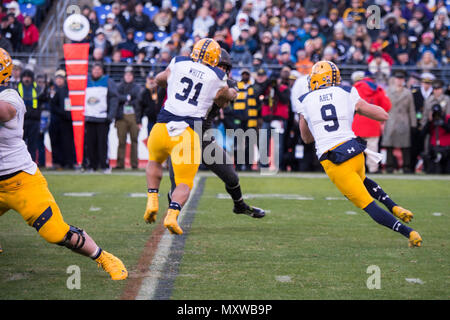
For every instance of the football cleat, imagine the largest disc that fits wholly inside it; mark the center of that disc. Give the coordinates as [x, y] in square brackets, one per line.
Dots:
[415, 240]
[253, 212]
[112, 265]
[171, 223]
[152, 207]
[1, 249]
[402, 213]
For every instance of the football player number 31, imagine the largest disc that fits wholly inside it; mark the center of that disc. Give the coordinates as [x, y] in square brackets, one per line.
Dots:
[328, 112]
[187, 90]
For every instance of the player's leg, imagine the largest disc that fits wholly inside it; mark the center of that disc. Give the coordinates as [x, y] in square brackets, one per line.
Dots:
[185, 158]
[378, 193]
[223, 168]
[38, 208]
[158, 153]
[347, 178]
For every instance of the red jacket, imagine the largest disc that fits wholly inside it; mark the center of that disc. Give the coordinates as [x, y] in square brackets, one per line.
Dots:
[30, 35]
[281, 108]
[374, 94]
[442, 135]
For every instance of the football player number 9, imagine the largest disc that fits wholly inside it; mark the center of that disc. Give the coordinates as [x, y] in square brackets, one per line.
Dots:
[328, 112]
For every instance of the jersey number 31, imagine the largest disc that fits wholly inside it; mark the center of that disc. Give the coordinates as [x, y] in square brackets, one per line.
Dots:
[187, 90]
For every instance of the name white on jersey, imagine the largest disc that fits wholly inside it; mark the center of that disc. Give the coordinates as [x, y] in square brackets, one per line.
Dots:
[329, 113]
[14, 155]
[192, 87]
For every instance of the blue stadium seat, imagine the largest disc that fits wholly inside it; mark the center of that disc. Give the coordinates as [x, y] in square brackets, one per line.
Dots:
[28, 9]
[102, 11]
[160, 36]
[150, 10]
[139, 36]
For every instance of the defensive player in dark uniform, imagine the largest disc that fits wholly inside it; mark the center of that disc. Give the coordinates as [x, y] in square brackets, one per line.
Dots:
[224, 168]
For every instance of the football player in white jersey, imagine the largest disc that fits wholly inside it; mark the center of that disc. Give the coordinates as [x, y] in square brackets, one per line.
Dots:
[193, 84]
[326, 116]
[24, 189]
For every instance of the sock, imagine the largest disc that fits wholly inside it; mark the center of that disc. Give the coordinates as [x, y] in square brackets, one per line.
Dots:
[150, 190]
[97, 253]
[236, 194]
[175, 206]
[386, 219]
[377, 193]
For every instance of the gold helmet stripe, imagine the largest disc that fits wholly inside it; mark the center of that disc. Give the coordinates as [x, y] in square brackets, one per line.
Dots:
[203, 49]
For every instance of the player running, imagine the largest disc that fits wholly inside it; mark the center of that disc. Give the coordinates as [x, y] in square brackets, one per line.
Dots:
[224, 168]
[193, 84]
[24, 189]
[326, 116]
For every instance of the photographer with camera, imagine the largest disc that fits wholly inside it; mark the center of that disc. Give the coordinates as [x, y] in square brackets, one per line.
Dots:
[275, 108]
[437, 112]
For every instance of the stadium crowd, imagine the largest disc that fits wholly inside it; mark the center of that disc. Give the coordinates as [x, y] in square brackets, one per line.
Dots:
[273, 45]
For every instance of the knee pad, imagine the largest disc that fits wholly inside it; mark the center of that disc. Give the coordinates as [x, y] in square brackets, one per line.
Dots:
[79, 237]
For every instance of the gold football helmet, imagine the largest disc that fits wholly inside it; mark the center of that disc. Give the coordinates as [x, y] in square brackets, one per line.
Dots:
[324, 74]
[207, 51]
[6, 66]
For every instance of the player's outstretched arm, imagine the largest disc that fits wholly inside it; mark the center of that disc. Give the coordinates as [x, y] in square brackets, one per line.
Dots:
[371, 111]
[7, 111]
[305, 133]
[161, 78]
[224, 96]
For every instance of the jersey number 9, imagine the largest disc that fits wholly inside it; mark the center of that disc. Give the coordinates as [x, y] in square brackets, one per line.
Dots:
[328, 112]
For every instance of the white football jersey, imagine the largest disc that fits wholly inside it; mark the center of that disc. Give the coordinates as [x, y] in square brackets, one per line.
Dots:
[14, 155]
[329, 113]
[192, 87]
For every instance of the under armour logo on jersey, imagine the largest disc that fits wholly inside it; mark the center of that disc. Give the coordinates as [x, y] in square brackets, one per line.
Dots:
[351, 150]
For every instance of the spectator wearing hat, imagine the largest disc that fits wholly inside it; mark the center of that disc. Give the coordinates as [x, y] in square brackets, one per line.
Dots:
[100, 41]
[379, 67]
[151, 99]
[428, 45]
[356, 11]
[245, 115]
[13, 31]
[402, 118]
[240, 53]
[150, 45]
[127, 121]
[437, 112]
[368, 129]
[294, 43]
[420, 95]
[402, 58]
[61, 128]
[101, 103]
[113, 31]
[28, 91]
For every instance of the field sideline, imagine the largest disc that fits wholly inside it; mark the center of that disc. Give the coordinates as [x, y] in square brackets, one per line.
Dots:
[313, 243]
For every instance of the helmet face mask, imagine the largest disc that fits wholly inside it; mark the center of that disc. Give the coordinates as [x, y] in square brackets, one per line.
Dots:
[206, 51]
[6, 66]
[324, 74]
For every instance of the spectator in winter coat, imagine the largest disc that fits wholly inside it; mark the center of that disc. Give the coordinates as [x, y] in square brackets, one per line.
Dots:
[368, 129]
[30, 35]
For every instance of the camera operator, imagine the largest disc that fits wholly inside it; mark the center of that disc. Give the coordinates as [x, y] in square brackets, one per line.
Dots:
[437, 112]
[275, 109]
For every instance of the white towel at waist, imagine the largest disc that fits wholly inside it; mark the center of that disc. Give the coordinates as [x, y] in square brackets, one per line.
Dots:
[175, 128]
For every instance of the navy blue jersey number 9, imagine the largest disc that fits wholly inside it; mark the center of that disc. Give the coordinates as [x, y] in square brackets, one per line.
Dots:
[188, 89]
[328, 112]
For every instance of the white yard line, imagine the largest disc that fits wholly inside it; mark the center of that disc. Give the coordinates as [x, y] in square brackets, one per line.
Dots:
[155, 272]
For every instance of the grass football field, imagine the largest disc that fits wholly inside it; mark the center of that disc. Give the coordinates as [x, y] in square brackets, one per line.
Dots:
[312, 244]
